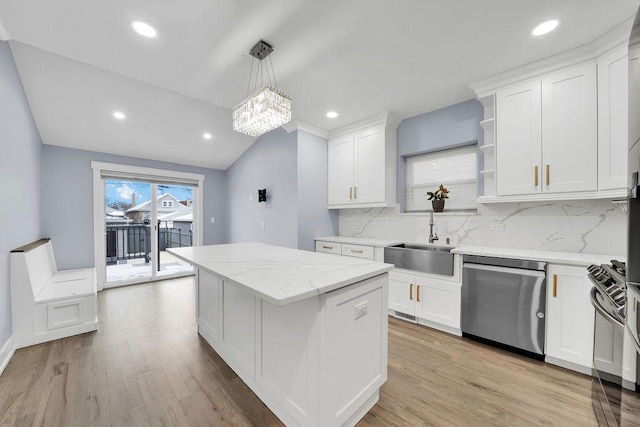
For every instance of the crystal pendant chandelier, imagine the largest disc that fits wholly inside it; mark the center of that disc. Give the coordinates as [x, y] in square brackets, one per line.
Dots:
[266, 108]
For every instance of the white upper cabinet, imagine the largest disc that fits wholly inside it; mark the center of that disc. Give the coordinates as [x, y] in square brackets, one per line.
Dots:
[341, 167]
[547, 134]
[362, 166]
[613, 72]
[518, 139]
[570, 130]
[369, 181]
[561, 125]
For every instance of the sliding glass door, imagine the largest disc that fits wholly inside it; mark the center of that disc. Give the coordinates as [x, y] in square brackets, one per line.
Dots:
[143, 220]
[175, 226]
[127, 230]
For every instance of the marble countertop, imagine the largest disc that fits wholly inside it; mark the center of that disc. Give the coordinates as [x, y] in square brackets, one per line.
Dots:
[280, 275]
[566, 258]
[360, 241]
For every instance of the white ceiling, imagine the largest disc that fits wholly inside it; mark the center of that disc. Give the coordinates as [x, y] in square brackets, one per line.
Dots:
[80, 60]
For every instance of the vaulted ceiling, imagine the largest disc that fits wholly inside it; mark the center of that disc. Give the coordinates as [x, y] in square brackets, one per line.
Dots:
[80, 61]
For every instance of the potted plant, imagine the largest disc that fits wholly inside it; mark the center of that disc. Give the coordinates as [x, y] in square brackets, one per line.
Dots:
[437, 198]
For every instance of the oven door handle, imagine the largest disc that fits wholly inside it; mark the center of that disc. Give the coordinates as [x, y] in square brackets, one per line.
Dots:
[601, 310]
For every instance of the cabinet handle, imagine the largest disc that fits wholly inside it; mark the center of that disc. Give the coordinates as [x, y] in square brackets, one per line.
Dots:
[418, 293]
[555, 285]
[411, 291]
[548, 174]
[350, 193]
[355, 192]
[356, 252]
[327, 247]
[535, 177]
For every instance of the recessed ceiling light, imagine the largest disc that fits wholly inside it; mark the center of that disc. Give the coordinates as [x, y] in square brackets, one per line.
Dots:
[546, 27]
[332, 114]
[207, 136]
[143, 28]
[119, 115]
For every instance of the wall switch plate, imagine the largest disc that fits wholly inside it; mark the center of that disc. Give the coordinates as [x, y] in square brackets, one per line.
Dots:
[213, 220]
[361, 309]
[262, 225]
[496, 226]
[250, 196]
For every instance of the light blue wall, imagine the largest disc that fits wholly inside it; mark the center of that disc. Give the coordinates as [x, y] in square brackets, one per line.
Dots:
[67, 201]
[20, 184]
[314, 219]
[269, 163]
[449, 127]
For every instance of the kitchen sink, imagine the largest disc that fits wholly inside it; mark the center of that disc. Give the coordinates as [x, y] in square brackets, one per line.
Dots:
[424, 258]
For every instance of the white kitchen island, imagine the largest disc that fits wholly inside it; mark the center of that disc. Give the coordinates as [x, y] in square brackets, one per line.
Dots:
[306, 331]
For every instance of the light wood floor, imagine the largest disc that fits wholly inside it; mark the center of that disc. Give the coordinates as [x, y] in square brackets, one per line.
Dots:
[147, 366]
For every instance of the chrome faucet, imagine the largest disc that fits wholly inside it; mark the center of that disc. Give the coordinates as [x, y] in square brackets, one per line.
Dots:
[432, 237]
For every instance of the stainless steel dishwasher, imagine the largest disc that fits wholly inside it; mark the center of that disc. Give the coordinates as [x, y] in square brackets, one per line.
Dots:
[504, 300]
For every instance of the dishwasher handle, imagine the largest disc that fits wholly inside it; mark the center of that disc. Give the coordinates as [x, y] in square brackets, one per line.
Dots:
[507, 270]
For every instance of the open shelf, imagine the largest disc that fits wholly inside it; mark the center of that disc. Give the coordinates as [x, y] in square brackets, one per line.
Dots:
[487, 123]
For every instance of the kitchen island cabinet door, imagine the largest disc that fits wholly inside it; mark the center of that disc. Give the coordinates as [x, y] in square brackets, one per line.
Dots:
[570, 130]
[238, 327]
[208, 296]
[518, 144]
[570, 317]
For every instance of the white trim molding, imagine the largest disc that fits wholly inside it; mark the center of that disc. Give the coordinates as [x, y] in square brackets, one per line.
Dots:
[581, 54]
[305, 127]
[101, 169]
[147, 173]
[4, 34]
[6, 353]
[387, 119]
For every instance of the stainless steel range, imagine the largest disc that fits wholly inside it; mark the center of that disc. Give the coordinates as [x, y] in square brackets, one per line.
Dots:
[609, 293]
[608, 297]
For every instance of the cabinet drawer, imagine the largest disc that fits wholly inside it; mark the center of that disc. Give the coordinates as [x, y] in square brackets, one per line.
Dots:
[329, 247]
[358, 251]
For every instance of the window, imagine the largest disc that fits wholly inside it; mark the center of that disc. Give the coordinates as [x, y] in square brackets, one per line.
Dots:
[167, 203]
[456, 169]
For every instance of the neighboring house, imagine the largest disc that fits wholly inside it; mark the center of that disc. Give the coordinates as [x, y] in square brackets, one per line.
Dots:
[165, 203]
[114, 216]
[180, 220]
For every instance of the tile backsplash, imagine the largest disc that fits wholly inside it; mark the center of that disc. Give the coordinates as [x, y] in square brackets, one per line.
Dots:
[586, 226]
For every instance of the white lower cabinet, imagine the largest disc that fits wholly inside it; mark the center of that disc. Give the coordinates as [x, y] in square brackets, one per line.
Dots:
[374, 253]
[329, 247]
[425, 299]
[570, 318]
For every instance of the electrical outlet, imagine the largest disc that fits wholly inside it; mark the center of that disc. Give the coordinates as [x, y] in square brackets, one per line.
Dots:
[361, 309]
[496, 226]
[262, 225]
[250, 196]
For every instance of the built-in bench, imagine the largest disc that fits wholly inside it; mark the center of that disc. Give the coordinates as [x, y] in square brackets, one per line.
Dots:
[48, 304]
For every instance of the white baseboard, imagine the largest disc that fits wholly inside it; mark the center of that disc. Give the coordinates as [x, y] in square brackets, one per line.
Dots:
[6, 353]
